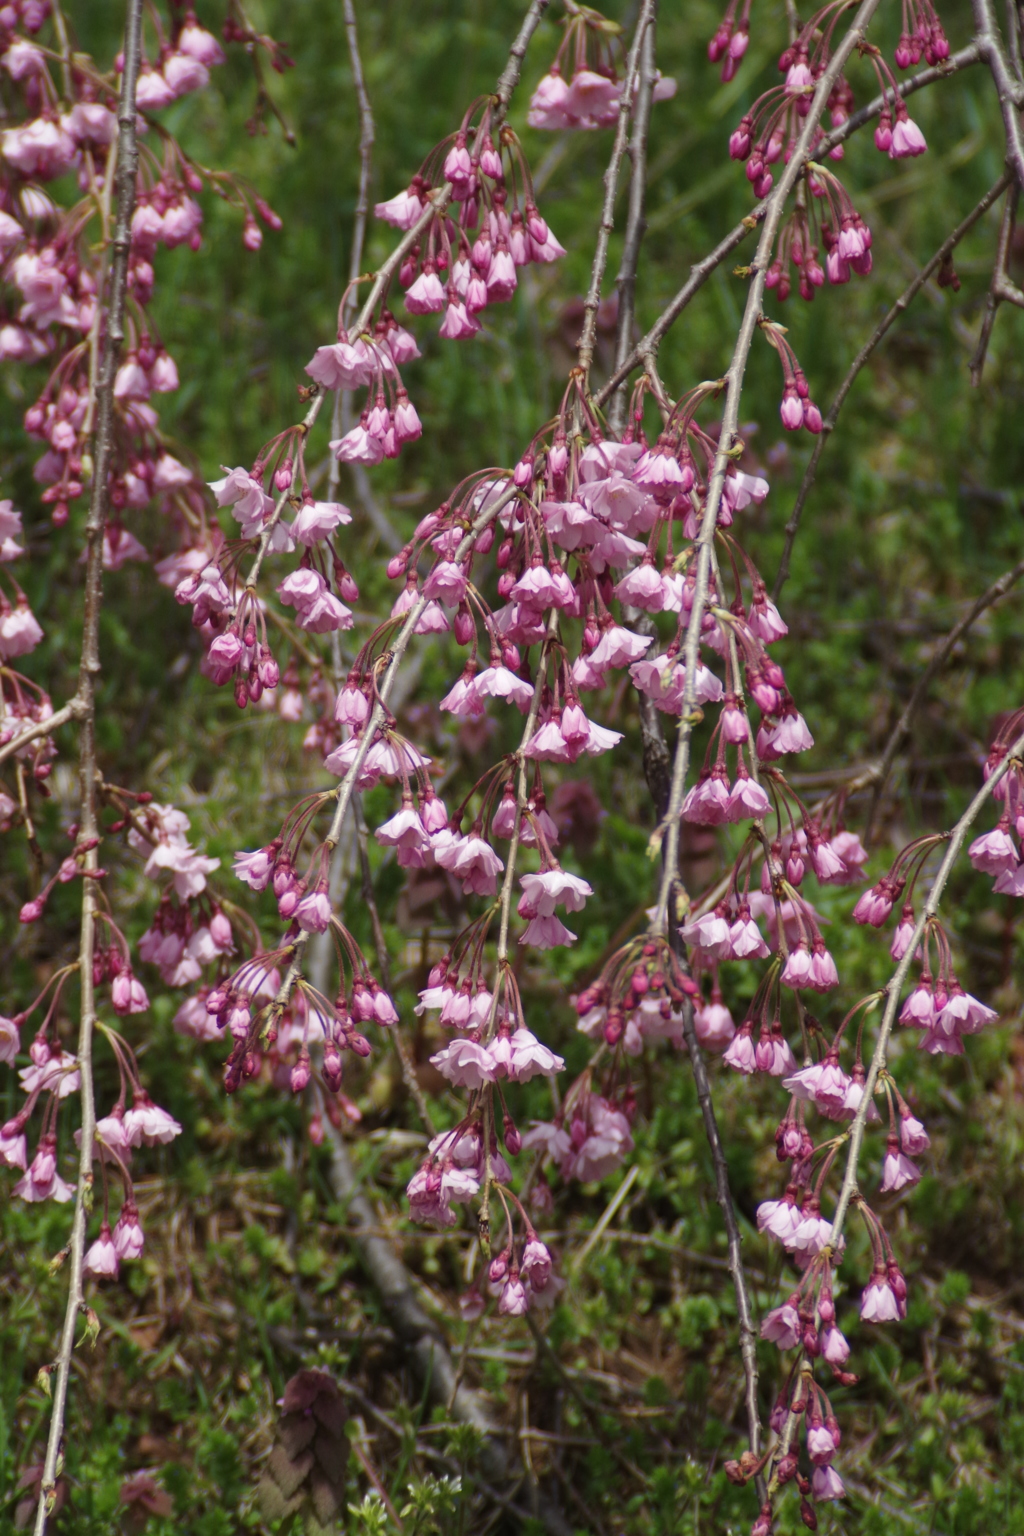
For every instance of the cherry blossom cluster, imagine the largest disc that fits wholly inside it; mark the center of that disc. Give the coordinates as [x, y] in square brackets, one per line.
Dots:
[922, 35]
[60, 119]
[592, 48]
[768, 133]
[51, 258]
[189, 932]
[465, 260]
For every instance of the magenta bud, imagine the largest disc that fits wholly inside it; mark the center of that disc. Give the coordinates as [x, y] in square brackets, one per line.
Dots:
[486, 539]
[359, 1043]
[513, 1140]
[397, 566]
[332, 1066]
[347, 588]
[465, 629]
[504, 554]
[32, 911]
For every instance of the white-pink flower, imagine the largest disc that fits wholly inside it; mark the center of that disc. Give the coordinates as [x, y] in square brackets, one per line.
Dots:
[146, 1124]
[530, 1058]
[466, 1063]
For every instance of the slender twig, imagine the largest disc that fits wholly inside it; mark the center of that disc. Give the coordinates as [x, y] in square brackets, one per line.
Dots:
[669, 827]
[636, 221]
[436, 204]
[61, 29]
[1008, 89]
[611, 180]
[74, 709]
[408, 1069]
[892, 990]
[343, 397]
[1013, 37]
[1002, 287]
[702, 270]
[723, 1194]
[103, 449]
[997, 590]
[881, 329]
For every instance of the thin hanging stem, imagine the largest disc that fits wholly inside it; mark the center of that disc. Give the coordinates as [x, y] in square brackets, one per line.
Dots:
[89, 669]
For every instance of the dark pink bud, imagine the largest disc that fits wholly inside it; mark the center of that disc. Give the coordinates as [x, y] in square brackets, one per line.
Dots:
[465, 629]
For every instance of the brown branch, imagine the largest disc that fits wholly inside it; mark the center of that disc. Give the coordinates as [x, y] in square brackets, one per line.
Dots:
[1009, 90]
[884, 325]
[611, 178]
[723, 1194]
[89, 669]
[1002, 287]
[636, 220]
[997, 590]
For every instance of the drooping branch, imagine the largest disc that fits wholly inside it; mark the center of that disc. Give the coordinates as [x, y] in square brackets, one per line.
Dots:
[1008, 89]
[611, 181]
[702, 270]
[904, 301]
[89, 670]
[389, 677]
[341, 419]
[669, 828]
[892, 991]
[1002, 287]
[636, 221]
[901, 730]
[723, 1194]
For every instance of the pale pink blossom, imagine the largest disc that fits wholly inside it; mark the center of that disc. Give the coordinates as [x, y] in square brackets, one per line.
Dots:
[782, 1325]
[101, 1258]
[466, 1063]
[546, 933]
[147, 1124]
[878, 1303]
[530, 1058]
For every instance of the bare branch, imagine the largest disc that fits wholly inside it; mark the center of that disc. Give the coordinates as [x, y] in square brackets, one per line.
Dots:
[882, 328]
[611, 179]
[1009, 90]
[901, 730]
[1002, 288]
[636, 221]
[892, 990]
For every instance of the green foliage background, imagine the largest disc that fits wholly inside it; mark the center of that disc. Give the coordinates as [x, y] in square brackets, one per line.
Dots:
[917, 507]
